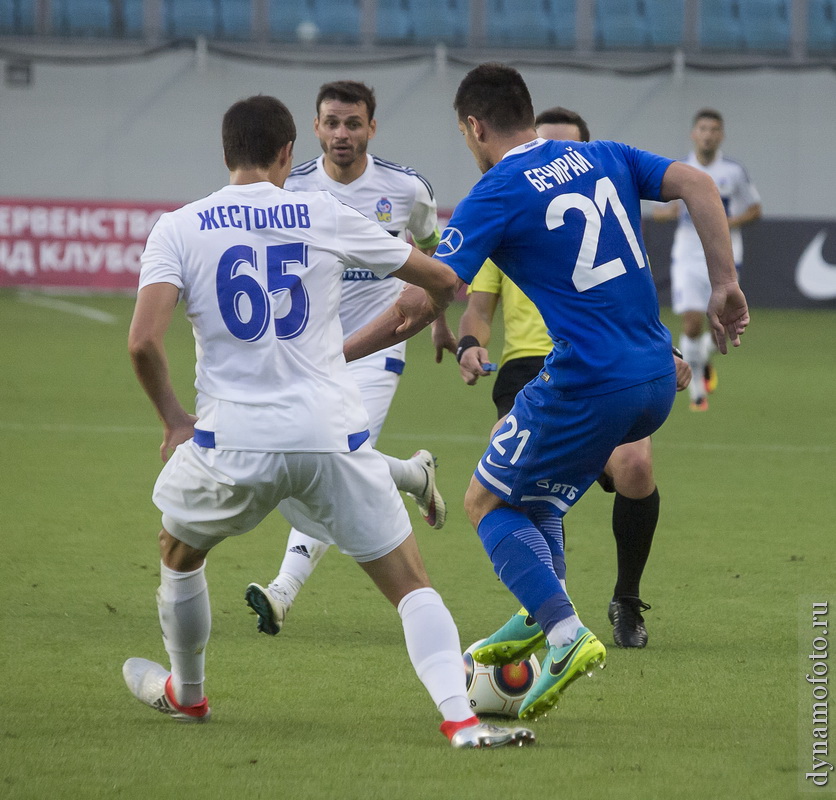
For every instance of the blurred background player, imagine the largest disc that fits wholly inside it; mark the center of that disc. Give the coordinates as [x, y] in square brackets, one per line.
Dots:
[279, 418]
[690, 287]
[401, 201]
[628, 473]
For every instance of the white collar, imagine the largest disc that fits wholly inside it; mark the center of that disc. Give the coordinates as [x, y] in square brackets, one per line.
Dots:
[523, 148]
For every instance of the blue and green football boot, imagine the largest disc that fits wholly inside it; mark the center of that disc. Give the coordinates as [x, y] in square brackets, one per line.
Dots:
[562, 666]
[515, 640]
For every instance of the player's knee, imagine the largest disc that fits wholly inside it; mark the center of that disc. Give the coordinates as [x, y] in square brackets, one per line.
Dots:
[478, 501]
[178, 555]
[633, 474]
[692, 324]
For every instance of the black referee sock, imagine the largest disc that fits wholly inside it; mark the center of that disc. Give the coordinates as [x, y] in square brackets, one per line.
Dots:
[633, 525]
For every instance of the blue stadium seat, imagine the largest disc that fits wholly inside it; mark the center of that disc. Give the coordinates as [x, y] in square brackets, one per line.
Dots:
[236, 19]
[821, 27]
[394, 22]
[620, 24]
[665, 22]
[561, 15]
[133, 17]
[766, 24]
[335, 20]
[82, 17]
[720, 26]
[445, 21]
[190, 18]
[338, 20]
[17, 17]
[284, 18]
[526, 23]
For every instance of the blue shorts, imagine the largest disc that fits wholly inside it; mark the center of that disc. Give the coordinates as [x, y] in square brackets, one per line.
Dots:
[551, 450]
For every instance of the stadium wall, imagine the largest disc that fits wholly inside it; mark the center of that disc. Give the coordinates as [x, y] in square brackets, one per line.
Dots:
[147, 129]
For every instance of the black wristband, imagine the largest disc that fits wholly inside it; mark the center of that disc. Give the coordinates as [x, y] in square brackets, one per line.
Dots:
[677, 352]
[465, 343]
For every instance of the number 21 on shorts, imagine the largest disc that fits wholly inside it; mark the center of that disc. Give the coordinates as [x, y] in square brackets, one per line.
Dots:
[514, 434]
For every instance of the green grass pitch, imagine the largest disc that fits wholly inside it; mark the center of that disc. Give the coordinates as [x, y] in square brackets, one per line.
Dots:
[715, 707]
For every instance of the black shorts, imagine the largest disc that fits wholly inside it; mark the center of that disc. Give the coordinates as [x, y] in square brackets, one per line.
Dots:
[513, 375]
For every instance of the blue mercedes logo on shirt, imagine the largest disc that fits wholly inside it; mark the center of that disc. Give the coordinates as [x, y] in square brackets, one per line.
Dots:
[451, 242]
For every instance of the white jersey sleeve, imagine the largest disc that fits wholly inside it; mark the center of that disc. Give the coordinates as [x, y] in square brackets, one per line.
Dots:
[423, 220]
[162, 260]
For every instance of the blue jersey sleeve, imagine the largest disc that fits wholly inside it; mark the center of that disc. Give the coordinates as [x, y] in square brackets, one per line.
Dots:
[648, 170]
[474, 231]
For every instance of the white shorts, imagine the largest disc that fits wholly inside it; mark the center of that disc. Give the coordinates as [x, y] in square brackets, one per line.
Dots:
[377, 385]
[346, 499]
[690, 287]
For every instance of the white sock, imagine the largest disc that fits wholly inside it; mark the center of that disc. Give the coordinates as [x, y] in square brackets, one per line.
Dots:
[708, 346]
[692, 352]
[565, 631]
[300, 559]
[408, 475]
[432, 641]
[186, 620]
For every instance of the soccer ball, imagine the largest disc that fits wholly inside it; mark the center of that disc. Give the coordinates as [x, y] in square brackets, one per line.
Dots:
[498, 690]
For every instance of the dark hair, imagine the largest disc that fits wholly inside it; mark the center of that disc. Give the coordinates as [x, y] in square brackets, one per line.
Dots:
[707, 113]
[563, 116]
[496, 94]
[347, 92]
[254, 130]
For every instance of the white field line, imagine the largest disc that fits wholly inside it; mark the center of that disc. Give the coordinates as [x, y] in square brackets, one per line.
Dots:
[55, 304]
[437, 436]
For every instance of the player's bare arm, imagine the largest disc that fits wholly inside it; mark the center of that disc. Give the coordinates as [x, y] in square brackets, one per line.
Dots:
[433, 288]
[728, 313]
[152, 316]
[476, 321]
[443, 338]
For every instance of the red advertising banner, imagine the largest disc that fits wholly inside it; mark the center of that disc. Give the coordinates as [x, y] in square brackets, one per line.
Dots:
[85, 244]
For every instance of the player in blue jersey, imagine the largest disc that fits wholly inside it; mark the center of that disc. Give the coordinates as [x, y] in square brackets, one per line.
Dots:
[562, 220]
[629, 472]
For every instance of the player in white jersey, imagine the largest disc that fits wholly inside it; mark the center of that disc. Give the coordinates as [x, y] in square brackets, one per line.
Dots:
[399, 200]
[689, 274]
[279, 418]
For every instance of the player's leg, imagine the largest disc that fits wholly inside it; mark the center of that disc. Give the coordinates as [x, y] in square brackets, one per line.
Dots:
[273, 602]
[693, 351]
[690, 292]
[709, 376]
[521, 635]
[634, 518]
[378, 379]
[186, 620]
[204, 495]
[523, 560]
[353, 496]
[434, 647]
[550, 452]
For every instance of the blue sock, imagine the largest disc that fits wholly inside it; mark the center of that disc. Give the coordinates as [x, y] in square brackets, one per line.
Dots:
[523, 561]
[550, 524]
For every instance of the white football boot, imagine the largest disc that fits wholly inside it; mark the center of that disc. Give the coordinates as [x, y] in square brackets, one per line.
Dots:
[150, 683]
